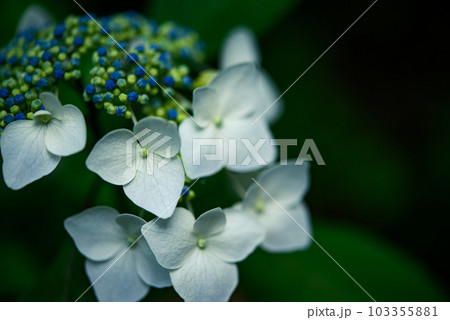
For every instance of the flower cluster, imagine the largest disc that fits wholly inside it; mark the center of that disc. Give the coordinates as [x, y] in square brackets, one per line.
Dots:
[38, 58]
[144, 72]
[140, 70]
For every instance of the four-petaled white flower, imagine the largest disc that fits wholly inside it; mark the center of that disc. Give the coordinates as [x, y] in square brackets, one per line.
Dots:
[240, 46]
[287, 185]
[223, 133]
[145, 162]
[118, 272]
[32, 149]
[201, 254]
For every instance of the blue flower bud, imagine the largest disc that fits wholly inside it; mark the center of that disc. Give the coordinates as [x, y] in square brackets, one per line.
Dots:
[101, 51]
[122, 44]
[140, 48]
[102, 61]
[12, 60]
[141, 83]
[117, 64]
[139, 71]
[133, 57]
[59, 73]
[164, 57]
[115, 75]
[97, 98]
[110, 85]
[45, 45]
[120, 111]
[42, 83]
[187, 81]
[108, 96]
[59, 30]
[8, 119]
[33, 61]
[169, 81]
[46, 56]
[78, 41]
[21, 116]
[152, 82]
[185, 53]
[90, 89]
[185, 191]
[19, 99]
[172, 114]
[9, 102]
[75, 62]
[57, 65]
[133, 96]
[4, 93]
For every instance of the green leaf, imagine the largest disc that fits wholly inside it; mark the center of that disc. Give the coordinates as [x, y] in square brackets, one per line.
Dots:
[213, 19]
[386, 272]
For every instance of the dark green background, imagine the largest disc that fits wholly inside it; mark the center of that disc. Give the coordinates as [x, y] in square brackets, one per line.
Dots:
[377, 106]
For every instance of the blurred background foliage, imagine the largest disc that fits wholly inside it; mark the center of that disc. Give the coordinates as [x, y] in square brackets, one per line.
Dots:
[377, 107]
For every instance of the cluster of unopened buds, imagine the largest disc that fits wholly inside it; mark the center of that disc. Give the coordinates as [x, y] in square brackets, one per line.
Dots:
[131, 67]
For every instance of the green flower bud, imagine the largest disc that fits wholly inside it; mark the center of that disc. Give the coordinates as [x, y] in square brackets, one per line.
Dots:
[123, 97]
[14, 109]
[36, 105]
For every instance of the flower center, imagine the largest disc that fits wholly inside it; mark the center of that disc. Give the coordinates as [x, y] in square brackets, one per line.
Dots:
[218, 121]
[44, 118]
[201, 243]
[131, 242]
[259, 206]
[144, 152]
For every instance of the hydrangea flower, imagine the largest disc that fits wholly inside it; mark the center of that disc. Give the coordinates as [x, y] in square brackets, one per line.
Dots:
[118, 272]
[144, 161]
[201, 254]
[287, 184]
[224, 110]
[32, 149]
[240, 46]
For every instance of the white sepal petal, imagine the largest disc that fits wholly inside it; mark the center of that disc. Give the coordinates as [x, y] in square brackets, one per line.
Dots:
[25, 157]
[149, 269]
[117, 279]
[158, 136]
[210, 223]
[238, 91]
[34, 17]
[204, 105]
[66, 132]
[50, 102]
[197, 147]
[157, 185]
[96, 233]
[113, 159]
[252, 149]
[272, 105]
[240, 46]
[287, 184]
[205, 277]
[241, 236]
[283, 234]
[171, 240]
